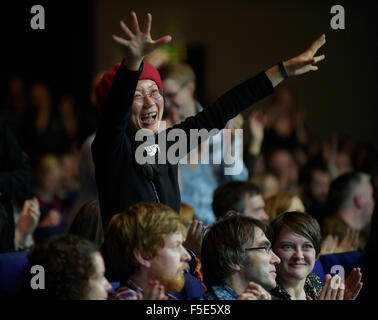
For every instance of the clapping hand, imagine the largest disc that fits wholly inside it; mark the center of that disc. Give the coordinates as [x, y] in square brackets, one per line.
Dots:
[254, 292]
[353, 284]
[194, 237]
[29, 217]
[153, 291]
[333, 288]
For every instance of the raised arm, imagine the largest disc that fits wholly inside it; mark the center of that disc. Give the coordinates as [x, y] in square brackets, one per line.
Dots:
[298, 65]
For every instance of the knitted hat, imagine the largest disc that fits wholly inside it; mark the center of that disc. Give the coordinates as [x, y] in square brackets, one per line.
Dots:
[149, 73]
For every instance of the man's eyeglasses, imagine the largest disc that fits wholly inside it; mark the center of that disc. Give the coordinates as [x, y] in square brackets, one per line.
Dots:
[267, 247]
[154, 94]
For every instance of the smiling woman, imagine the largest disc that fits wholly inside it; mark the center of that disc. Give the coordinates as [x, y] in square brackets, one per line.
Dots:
[129, 100]
[297, 241]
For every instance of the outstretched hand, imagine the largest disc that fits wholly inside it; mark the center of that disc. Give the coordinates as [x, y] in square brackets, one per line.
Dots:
[306, 61]
[137, 42]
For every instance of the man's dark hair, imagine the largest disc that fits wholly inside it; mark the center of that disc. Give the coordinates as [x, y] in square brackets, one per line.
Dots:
[225, 243]
[232, 196]
[343, 187]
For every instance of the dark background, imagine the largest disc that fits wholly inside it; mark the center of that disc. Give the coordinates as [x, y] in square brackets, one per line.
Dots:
[227, 42]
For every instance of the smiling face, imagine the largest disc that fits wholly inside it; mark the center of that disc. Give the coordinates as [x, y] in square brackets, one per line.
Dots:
[148, 106]
[297, 255]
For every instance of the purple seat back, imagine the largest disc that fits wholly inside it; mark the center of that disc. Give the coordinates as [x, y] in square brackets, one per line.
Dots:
[12, 265]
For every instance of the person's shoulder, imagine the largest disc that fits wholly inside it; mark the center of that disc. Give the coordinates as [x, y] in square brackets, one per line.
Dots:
[313, 285]
[123, 293]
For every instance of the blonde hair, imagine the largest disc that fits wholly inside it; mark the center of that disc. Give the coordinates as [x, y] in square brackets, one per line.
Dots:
[187, 213]
[48, 162]
[181, 73]
[277, 204]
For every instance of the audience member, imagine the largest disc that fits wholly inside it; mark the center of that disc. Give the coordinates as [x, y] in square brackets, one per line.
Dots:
[73, 270]
[26, 224]
[187, 214]
[315, 182]
[87, 182]
[237, 260]
[351, 202]
[130, 100]
[296, 241]
[51, 199]
[283, 202]
[284, 127]
[198, 180]
[44, 128]
[15, 184]
[282, 164]
[268, 184]
[144, 244]
[88, 223]
[241, 196]
[12, 111]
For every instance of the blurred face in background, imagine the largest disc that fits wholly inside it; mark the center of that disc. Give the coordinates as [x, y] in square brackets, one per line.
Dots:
[319, 185]
[285, 168]
[98, 285]
[368, 203]
[40, 96]
[255, 207]
[179, 98]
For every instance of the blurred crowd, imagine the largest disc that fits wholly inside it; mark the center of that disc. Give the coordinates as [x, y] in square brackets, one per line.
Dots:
[285, 168]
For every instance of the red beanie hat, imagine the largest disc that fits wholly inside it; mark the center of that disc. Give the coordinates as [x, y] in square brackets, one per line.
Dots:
[149, 73]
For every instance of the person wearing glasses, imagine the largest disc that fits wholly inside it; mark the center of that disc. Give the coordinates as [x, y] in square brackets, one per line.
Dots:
[297, 241]
[241, 265]
[130, 101]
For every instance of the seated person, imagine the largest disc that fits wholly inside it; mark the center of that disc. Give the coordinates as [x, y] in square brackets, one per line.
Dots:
[241, 196]
[352, 204]
[26, 224]
[144, 245]
[296, 241]
[88, 224]
[282, 202]
[240, 265]
[73, 270]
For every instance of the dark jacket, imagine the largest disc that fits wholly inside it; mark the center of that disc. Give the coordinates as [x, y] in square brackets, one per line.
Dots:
[15, 184]
[122, 182]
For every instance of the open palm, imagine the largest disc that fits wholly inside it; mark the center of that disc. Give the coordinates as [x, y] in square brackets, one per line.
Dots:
[137, 42]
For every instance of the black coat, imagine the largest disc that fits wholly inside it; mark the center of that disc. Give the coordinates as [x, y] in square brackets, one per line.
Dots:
[15, 184]
[121, 182]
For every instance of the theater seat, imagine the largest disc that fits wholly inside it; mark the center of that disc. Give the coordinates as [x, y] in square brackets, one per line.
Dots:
[318, 270]
[348, 260]
[115, 286]
[192, 288]
[12, 264]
